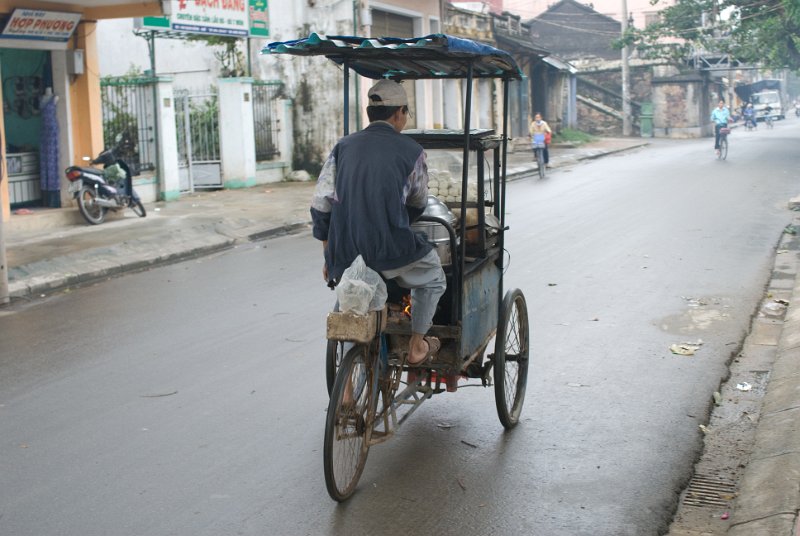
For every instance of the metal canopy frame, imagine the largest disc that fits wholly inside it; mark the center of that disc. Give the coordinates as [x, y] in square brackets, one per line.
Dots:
[436, 56]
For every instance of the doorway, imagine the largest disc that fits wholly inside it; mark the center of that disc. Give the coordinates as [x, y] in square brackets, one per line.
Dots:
[25, 77]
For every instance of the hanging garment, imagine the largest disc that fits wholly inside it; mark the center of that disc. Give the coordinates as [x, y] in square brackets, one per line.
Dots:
[49, 175]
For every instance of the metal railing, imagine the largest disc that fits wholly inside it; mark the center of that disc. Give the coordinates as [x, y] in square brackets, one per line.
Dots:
[128, 111]
[266, 95]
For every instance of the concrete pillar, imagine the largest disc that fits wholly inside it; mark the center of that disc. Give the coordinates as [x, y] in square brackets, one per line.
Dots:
[286, 134]
[85, 102]
[484, 97]
[453, 103]
[5, 214]
[237, 134]
[423, 103]
[5, 195]
[437, 104]
[58, 60]
[572, 101]
[169, 187]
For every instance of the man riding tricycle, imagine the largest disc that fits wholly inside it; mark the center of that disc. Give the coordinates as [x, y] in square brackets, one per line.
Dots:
[441, 258]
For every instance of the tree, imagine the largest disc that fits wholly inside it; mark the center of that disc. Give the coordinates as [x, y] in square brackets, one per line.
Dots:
[231, 59]
[765, 32]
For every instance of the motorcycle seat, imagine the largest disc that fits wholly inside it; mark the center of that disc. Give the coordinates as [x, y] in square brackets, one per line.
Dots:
[91, 170]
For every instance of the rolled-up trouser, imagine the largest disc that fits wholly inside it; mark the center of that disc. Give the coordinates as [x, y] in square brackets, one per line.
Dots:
[427, 282]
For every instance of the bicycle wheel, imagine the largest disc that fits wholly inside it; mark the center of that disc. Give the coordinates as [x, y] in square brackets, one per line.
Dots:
[540, 162]
[333, 360]
[511, 353]
[348, 425]
[723, 148]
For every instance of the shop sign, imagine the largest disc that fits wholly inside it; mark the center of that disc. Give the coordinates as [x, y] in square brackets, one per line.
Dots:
[237, 18]
[40, 25]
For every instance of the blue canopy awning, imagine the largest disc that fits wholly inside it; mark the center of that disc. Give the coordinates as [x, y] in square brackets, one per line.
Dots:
[433, 56]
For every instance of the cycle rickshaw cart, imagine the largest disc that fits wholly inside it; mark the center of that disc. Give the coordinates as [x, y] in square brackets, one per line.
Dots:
[369, 399]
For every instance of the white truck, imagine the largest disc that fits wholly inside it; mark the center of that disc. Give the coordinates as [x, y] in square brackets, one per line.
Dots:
[763, 94]
[766, 103]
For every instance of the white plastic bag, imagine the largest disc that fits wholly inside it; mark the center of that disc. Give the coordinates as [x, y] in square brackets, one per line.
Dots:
[361, 289]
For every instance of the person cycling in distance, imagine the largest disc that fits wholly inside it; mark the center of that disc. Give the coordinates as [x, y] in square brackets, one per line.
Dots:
[720, 116]
[539, 126]
[749, 115]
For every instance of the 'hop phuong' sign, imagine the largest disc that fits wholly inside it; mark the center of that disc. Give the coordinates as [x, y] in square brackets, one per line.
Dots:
[41, 25]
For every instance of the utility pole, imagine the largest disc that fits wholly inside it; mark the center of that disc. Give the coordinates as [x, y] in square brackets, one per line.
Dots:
[626, 99]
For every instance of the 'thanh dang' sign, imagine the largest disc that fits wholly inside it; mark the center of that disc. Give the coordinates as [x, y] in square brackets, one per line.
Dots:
[237, 18]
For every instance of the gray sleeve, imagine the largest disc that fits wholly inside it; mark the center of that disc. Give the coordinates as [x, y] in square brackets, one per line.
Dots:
[416, 194]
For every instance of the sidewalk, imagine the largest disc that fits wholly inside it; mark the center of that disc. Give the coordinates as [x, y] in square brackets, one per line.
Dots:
[55, 248]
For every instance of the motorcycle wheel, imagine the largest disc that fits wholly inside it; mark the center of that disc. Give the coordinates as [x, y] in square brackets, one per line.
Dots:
[88, 207]
[138, 208]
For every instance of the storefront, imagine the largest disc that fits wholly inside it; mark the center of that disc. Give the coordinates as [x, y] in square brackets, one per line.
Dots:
[50, 92]
[26, 77]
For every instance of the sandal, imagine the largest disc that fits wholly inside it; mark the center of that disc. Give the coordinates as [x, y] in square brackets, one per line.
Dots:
[434, 345]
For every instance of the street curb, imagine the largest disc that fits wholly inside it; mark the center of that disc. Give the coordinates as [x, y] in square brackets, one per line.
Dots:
[524, 172]
[613, 151]
[769, 497]
[278, 231]
[104, 268]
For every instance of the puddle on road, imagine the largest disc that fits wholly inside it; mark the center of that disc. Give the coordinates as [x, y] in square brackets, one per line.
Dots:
[702, 315]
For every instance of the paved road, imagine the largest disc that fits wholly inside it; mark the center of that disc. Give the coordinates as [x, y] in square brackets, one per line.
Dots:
[190, 399]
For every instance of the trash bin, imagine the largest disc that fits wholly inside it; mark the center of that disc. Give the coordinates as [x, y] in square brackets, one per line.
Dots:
[646, 120]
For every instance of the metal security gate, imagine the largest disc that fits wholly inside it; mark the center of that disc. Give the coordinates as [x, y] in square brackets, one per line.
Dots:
[128, 114]
[197, 125]
[265, 118]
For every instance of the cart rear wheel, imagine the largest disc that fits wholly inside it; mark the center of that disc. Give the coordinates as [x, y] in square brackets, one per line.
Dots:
[334, 355]
[348, 425]
[511, 352]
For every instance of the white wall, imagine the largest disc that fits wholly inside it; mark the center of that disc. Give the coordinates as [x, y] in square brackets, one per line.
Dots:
[189, 64]
[313, 84]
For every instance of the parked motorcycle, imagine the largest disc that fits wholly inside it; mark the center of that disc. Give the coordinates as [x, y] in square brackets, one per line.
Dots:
[100, 190]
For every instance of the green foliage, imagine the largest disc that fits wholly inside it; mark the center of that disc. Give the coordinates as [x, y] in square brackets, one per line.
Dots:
[569, 135]
[119, 118]
[204, 124]
[766, 32]
[231, 59]
[205, 116]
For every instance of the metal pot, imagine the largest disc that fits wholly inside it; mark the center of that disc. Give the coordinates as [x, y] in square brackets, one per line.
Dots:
[437, 233]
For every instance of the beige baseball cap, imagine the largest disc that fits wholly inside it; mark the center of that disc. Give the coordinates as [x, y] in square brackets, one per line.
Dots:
[387, 93]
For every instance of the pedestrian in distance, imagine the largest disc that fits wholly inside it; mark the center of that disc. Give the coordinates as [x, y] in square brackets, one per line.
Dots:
[373, 185]
[719, 116]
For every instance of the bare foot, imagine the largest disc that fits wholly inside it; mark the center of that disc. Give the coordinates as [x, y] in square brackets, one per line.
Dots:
[422, 349]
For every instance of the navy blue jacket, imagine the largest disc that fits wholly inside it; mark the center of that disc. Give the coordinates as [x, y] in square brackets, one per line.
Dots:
[372, 186]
